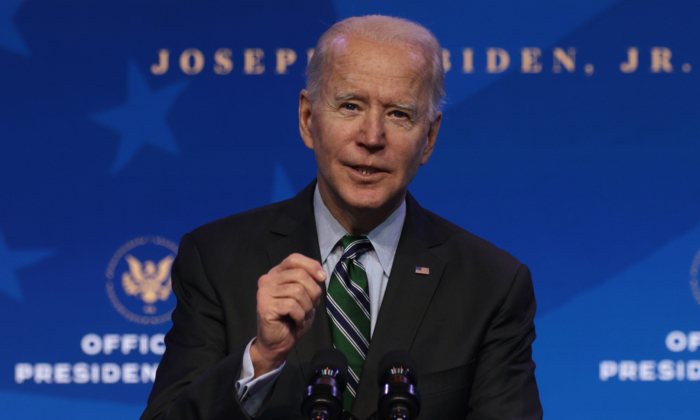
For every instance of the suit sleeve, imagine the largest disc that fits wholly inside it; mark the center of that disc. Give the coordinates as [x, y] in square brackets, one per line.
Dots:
[197, 375]
[504, 386]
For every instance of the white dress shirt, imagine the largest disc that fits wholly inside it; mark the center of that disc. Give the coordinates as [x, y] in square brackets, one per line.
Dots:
[377, 263]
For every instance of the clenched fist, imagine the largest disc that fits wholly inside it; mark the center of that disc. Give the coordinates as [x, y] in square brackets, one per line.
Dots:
[288, 296]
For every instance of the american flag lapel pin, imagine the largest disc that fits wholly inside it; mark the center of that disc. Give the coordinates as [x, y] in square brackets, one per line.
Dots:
[422, 270]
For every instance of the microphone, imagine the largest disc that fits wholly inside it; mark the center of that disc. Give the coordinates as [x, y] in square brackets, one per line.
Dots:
[398, 393]
[323, 399]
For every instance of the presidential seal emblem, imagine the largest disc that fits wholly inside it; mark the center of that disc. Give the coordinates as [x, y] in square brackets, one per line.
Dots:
[138, 280]
[694, 277]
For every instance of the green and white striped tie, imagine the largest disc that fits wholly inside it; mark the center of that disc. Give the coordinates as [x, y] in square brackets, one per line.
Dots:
[349, 311]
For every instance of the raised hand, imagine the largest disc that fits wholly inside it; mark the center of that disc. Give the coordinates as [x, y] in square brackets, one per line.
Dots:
[288, 296]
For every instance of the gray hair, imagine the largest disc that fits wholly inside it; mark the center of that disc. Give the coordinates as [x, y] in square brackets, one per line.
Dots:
[385, 30]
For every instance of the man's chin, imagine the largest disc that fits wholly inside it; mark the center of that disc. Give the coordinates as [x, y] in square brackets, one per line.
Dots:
[364, 202]
[363, 198]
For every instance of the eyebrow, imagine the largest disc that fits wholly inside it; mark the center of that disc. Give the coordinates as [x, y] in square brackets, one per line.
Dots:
[348, 96]
[409, 107]
[405, 106]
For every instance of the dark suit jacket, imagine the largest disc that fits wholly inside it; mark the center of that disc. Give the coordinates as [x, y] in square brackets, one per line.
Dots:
[468, 324]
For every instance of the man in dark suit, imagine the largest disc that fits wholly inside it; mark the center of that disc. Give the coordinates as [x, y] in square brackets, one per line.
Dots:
[259, 292]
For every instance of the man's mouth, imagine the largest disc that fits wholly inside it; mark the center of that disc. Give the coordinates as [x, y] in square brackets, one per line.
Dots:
[366, 170]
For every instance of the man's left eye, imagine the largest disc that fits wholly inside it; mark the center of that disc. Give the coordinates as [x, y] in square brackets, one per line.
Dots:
[399, 114]
[350, 107]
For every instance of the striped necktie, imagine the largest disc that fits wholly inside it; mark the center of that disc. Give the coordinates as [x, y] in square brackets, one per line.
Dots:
[348, 310]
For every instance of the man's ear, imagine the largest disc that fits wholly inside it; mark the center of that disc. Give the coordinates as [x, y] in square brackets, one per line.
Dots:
[306, 108]
[432, 136]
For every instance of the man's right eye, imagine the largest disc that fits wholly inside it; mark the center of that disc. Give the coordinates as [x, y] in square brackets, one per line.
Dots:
[350, 107]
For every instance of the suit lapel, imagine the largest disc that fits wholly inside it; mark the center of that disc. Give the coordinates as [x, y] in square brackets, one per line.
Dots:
[297, 228]
[405, 301]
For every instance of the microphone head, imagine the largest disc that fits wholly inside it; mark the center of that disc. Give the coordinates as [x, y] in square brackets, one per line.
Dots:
[330, 362]
[323, 398]
[398, 393]
[397, 362]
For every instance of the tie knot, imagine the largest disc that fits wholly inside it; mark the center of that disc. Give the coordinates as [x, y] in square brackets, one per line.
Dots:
[354, 246]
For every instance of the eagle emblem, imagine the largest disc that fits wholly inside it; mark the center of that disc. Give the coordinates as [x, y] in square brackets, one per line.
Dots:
[146, 280]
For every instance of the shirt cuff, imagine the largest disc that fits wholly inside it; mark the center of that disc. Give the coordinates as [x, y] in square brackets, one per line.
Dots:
[252, 392]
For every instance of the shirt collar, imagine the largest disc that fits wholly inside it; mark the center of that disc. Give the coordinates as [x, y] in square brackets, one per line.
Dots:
[384, 238]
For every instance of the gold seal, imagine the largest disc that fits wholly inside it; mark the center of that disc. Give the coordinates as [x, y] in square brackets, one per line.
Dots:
[145, 283]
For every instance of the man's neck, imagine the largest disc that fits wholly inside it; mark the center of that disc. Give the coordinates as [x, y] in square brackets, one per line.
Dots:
[357, 221]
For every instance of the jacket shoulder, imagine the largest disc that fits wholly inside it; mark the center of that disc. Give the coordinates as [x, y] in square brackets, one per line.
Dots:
[234, 237]
[251, 221]
[462, 245]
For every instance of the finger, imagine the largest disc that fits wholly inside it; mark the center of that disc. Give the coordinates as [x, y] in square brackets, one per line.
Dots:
[294, 291]
[289, 307]
[301, 277]
[311, 266]
[286, 284]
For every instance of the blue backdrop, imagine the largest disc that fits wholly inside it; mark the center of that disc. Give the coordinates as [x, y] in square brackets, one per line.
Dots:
[571, 138]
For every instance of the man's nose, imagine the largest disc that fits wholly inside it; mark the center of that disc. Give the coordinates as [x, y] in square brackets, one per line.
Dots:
[373, 134]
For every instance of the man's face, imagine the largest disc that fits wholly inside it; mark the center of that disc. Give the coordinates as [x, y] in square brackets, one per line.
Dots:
[370, 127]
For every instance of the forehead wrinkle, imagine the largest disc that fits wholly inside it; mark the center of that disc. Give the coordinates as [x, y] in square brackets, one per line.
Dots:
[344, 73]
[349, 89]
